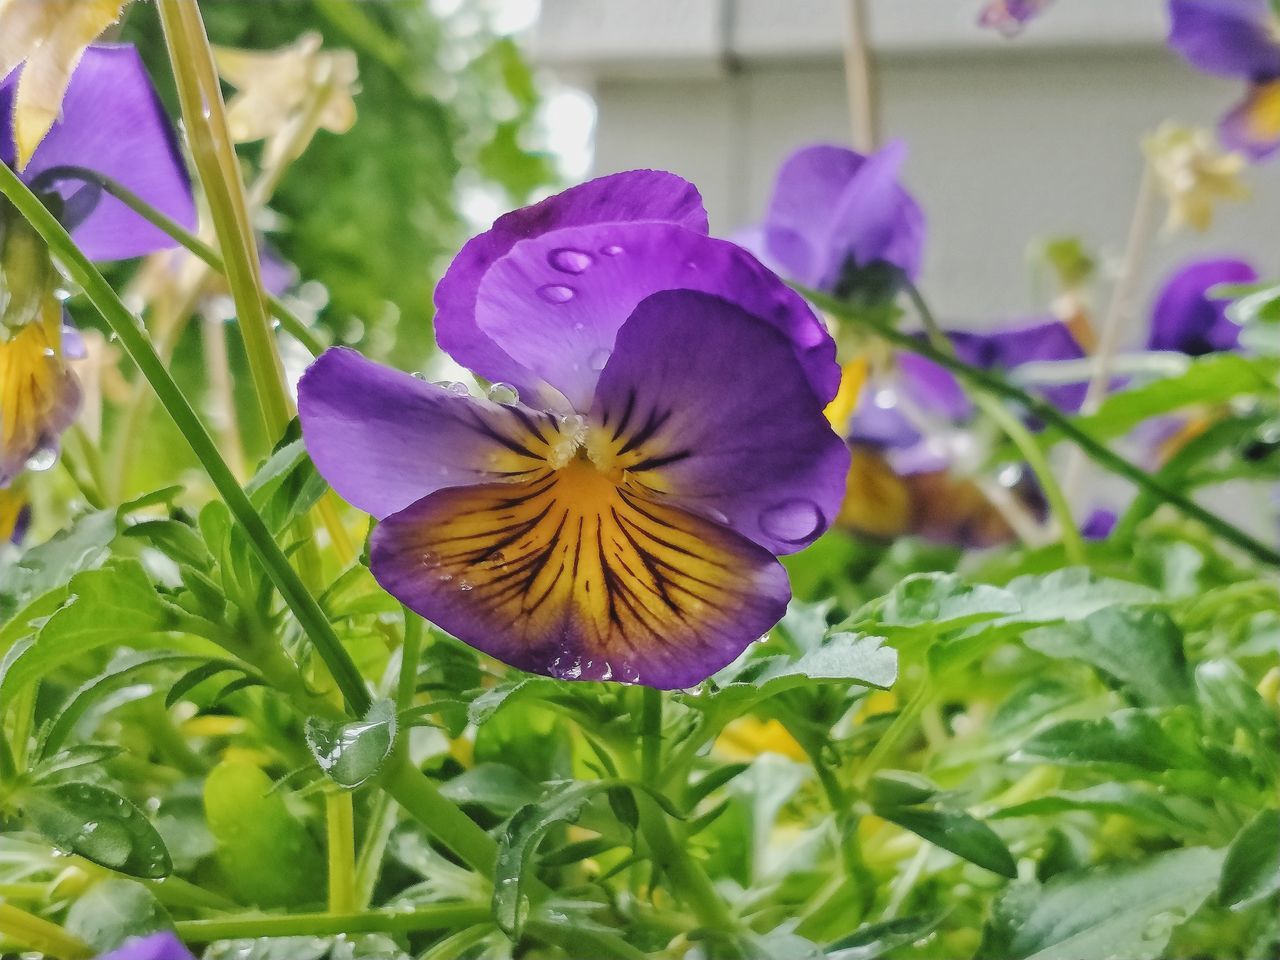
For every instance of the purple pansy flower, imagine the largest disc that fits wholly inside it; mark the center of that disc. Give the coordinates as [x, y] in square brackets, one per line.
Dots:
[840, 221]
[113, 124]
[1011, 16]
[1187, 318]
[1240, 39]
[156, 946]
[622, 518]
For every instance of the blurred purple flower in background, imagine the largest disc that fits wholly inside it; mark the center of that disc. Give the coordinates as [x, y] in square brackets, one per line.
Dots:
[157, 946]
[1186, 317]
[1237, 39]
[653, 440]
[1011, 16]
[841, 222]
[111, 123]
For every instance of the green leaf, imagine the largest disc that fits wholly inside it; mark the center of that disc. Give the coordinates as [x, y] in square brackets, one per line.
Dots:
[1074, 593]
[956, 831]
[114, 605]
[1140, 649]
[1230, 703]
[1251, 871]
[1127, 910]
[938, 601]
[519, 841]
[286, 486]
[1211, 379]
[900, 788]
[874, 940]
[494, 786]
[1105, 798]
[99, 825]
[48, 566]
[113, 910]
[266, 853]
[352, 753]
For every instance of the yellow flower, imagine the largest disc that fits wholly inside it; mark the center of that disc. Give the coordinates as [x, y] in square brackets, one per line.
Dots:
[50, 36]
[13, 510]
[747, 737]
[39, 395]
[1193, 174]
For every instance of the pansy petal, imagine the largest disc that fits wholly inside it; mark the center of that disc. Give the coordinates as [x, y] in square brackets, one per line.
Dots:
[157, 946]
[1231, 38]
[39, 396]
[575, 577]
[1186, 319]
[112, 122]
[646, 195]
[704, 404]
[1036, 341]
[1253, 127]
[558, 301]
[384, 439]
[15, 514]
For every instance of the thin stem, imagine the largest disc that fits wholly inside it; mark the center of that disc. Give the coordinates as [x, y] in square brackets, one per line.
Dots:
[222, 393]
[1047, 412]
[690, 883]
[1013, 428]
[439, 916]
[290, 322]
[651, 734]
[410, 651]
[340, 828]
[893, 736]
[579, 941]
[377, 832]
[36, 933]
[859, 77]
[134, 340]
[204, 117]
[1119, 308]
[421, 798]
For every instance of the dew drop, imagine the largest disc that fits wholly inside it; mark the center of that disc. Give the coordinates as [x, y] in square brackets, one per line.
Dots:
[503, 393]
[599, 358]
[579, 327]
[454, 387]
[42, 459]
[569, 260]
[612, 250]
[419, 375]
[719, 516]
[464, 586]
[556, 293]
[792, 521]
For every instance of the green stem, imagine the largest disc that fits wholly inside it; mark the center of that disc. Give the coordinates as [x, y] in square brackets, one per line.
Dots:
[204, 118]
[583, 941]
[36, 933]
[377, 832]
[898, 729]
[1045, 411]
[131, 336]
[689, 881]
[651, 734]
[1013, 428]
[340, 828]
[410, 651]
[420, 797]
[440, 916]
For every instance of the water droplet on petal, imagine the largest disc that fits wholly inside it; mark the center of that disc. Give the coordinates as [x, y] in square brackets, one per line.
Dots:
[464, 586]
[599, 358]
[419, 375]
[42, 459]
[503, 393]
[612, 250]
[569, 260]
[719, 516]
[792, 521]
[556, 293]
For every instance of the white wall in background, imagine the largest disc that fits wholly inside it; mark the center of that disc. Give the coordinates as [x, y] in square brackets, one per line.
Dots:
[1010, 140]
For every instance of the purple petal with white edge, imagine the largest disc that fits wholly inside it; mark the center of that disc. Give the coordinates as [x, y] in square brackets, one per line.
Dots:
[1230, 38]
[558, 301]
[1253, 127]
[157, 946]
[384, 439]
[576, 577]
[830, 203]
[704, 405]
[1186, 319]
[113, 123]
[636, 195]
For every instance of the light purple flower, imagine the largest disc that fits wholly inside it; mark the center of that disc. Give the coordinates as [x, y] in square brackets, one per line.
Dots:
[156, 946]
[1187, 318]
[622, 519]
[840, 221]
[1011, 16]
[111, 123]
[1237, 39]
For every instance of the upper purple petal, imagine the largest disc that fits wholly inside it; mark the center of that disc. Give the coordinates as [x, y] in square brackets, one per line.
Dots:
[1036, 341]
[1231, 38]
[708, 406]
[384, 439]
[831, 205]
[558, 300]
[1186, 319]
[157, 946]
[637, 195]
[112, 122]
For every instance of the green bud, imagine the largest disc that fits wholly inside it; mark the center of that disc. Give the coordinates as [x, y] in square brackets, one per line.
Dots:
[27, 275]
